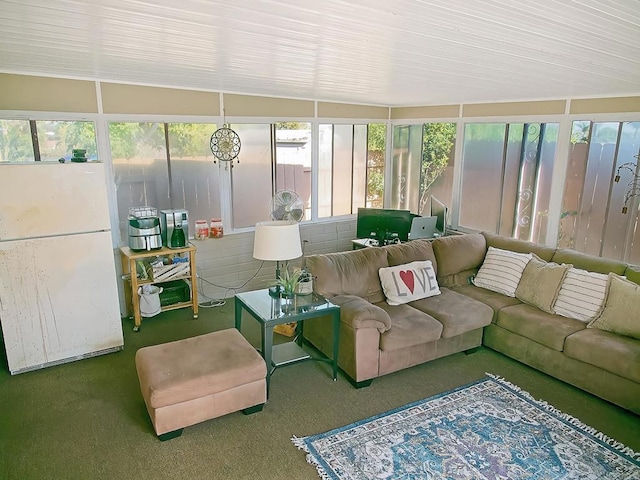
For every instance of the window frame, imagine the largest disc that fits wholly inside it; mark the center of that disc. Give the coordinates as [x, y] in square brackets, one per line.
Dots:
[564, 120]
[615, 118]
[557, 176]
[33, 117]
[226, 188]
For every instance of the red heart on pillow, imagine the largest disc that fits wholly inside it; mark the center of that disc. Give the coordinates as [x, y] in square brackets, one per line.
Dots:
[407, 278]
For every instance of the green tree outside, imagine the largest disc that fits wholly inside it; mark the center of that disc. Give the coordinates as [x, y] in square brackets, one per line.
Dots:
[122, 139]
[289, 125]
[15, 141]
[77, 135]
[438, 140]
[376, 142]
[190, 139]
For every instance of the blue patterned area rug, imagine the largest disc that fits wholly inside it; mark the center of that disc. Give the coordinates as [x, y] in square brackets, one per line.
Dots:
[490, 429]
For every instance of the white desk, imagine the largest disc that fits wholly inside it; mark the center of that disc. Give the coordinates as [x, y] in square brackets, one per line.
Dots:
[368, 242]
[363, 243]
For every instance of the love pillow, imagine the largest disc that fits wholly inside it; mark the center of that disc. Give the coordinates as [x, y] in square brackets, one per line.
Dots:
[409, 282]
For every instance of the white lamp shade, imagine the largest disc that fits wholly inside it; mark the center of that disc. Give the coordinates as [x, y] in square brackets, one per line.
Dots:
[277, 240]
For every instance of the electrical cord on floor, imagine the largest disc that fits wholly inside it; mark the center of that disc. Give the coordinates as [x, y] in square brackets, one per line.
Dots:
[208, 302]
[211, 302]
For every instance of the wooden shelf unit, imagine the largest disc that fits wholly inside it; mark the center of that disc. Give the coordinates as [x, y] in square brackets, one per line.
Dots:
[129, 270]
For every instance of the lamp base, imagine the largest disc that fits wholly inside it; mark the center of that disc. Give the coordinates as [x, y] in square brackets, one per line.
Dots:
[275, 291]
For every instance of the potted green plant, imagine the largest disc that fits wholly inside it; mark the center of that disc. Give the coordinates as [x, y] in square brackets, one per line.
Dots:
[288, 281]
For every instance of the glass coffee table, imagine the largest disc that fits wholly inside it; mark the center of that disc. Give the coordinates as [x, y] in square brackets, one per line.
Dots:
[271, 311]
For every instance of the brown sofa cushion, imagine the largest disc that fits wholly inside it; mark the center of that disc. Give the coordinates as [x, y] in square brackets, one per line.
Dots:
[409, 327]
[496, 301]
[621, 312]
[613, 353]
[457, 313]
[540, 283]
[520, 246]
[589, 262]
[632, 273]
[458, 257]
[349, 273]
[413, 251]
[541, 327]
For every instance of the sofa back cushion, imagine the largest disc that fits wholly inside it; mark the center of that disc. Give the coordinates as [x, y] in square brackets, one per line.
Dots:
[621, 313]
[502, 270]
[582, 295]
[540, 283]
[458, 257]
[589, 262]
[520, 246]
[633, 273]
[349, 273]
[413, 251]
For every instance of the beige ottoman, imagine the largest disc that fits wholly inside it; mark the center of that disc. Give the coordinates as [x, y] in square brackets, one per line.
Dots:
[196, 379]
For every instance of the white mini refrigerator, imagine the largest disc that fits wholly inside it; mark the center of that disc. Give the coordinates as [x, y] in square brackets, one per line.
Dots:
[58, 283]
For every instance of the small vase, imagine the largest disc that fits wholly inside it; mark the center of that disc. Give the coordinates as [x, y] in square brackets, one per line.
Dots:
[287, 294]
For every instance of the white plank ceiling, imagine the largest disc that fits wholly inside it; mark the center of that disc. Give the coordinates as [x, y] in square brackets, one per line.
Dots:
[397, 52]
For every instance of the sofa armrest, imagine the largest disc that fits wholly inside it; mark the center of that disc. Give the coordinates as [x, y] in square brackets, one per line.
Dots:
[359, 313]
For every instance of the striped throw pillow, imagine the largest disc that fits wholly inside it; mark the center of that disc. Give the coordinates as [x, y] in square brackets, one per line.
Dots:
[501, 271]
[582, 295]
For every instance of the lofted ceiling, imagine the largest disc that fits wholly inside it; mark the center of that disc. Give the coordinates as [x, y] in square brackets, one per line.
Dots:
[397, 53]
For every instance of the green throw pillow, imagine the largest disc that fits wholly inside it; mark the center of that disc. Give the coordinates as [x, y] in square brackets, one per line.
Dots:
[540, 283]
[621, 312]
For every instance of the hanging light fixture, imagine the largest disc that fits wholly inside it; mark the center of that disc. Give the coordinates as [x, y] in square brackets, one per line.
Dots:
[633, 188]
[225, 143]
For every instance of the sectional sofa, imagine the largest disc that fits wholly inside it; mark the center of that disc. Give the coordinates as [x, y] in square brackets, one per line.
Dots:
[456, 315]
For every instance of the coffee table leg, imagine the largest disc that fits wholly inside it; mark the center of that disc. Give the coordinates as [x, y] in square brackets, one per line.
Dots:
[238, 306]
[336, 343]
[267, 350]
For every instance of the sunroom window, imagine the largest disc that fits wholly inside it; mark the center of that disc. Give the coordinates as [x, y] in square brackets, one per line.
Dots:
[506, 178]
[592, 218]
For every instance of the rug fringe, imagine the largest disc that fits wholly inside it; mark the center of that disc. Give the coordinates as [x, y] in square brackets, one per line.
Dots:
[300, 443]
[570, 419]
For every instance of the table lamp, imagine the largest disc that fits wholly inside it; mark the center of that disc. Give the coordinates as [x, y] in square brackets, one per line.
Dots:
[277, 241]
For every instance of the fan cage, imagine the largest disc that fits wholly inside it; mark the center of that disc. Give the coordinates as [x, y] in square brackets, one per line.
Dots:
[287, 205]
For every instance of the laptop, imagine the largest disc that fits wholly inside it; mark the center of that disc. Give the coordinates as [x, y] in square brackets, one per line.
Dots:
[423, 227]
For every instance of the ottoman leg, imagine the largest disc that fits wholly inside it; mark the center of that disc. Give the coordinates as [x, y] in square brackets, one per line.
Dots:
[254, 409]
[169, 435]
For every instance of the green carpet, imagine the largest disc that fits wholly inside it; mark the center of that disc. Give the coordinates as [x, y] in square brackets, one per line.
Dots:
[86, 419]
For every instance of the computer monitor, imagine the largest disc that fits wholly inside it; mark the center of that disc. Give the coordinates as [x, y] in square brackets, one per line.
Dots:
[439, 209]
[383, 223]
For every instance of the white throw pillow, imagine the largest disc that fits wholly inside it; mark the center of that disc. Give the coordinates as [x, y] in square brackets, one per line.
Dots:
[409, 282]
[501, 271]
[582, 295]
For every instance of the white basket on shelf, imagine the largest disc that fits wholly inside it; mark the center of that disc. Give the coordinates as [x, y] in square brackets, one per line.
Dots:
[167, 272]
